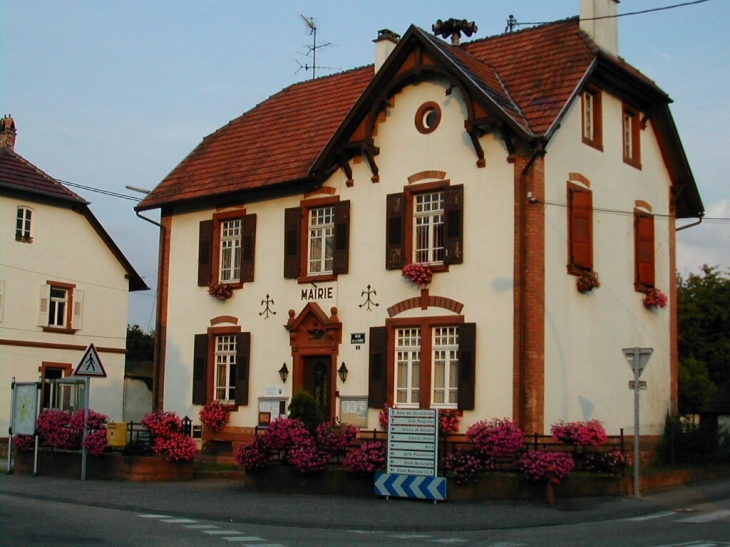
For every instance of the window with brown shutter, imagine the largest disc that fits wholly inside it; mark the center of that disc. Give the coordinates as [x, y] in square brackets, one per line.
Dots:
[377, 372]
[227, 249]
[317, 240]
[425, 223]
[644, 264]
[580, 229]
[221, 366]
[631, 137]
[430, 363]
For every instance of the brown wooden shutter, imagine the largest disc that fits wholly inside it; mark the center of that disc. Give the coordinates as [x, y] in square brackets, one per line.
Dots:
[454, 224]
[580, 210]
[248, 252]
[378, 367]
[200, 369]
[644, 250]
[205, 253]
[292, 232]
[342, 238]
[467, 365]
[243, 357]
[395, 246]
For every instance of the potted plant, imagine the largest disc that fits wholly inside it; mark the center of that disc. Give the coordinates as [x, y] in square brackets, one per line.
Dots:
[587, 281]
[220, 291]
[419, 273]
[655, 299]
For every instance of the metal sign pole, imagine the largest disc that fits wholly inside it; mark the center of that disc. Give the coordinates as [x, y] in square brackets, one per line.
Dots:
[637, 436]
[36, 438]
[9, 468]
[86, 425]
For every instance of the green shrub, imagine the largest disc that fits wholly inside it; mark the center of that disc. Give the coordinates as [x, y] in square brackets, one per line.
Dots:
[688, 443]
[303, 407]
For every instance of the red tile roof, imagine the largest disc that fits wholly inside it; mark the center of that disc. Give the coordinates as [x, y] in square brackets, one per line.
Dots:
[530, 76]
[16, 173]
[273, 143]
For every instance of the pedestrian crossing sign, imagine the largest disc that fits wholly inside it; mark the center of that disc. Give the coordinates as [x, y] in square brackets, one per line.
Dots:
[90, 364]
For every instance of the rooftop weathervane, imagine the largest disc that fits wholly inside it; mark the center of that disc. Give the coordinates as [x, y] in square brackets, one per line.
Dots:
[454, 28]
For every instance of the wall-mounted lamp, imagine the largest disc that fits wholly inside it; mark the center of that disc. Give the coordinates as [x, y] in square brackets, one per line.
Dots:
[342, 372]
[283, 373]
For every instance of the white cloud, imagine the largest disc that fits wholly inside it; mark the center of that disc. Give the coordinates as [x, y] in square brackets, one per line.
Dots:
[707, 243]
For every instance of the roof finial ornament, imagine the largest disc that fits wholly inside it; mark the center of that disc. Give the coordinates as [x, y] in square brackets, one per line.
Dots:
[511, 23]
[453, 28]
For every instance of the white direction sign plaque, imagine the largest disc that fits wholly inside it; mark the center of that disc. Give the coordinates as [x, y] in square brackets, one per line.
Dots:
[413, 442]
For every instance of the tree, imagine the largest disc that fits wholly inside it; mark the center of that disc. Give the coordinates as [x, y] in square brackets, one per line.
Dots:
[140, 345]
[704, 336]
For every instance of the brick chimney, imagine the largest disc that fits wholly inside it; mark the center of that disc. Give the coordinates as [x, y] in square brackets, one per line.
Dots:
[384, 45]
[7, 133]
[598, 20]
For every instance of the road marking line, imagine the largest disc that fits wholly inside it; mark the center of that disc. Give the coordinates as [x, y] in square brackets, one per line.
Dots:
[409, 536]
[652, 516]
[707, 517]
[155, 516]
[221, 532]
[178, 521]
[448, 540]
[201, 526]
[243, 538]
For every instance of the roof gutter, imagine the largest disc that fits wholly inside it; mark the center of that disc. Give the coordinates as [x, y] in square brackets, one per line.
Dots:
[699, 221]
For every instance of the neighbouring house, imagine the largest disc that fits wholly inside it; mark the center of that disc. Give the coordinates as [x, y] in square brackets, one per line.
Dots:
[427, 232]
[64, 285]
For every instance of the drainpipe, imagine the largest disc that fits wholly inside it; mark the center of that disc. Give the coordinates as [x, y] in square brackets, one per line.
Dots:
[525, 198]
[690, 225]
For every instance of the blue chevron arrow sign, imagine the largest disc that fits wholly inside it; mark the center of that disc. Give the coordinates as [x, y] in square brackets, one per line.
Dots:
[410, 486]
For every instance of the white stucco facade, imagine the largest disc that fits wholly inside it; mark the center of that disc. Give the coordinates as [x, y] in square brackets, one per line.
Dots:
[65, 250]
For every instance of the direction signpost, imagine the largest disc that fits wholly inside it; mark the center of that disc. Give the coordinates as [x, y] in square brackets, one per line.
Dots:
[412, 457]
[637, 358]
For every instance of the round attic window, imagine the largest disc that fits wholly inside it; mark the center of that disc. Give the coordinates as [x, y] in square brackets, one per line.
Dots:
[428, 117]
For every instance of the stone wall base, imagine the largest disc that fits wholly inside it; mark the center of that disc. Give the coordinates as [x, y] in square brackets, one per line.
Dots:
[106, 467]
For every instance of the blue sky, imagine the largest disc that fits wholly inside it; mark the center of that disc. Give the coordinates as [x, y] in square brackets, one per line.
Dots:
[109, 93]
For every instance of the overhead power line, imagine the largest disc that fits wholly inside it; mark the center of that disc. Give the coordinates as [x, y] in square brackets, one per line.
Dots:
[99, 190]
[641, 12]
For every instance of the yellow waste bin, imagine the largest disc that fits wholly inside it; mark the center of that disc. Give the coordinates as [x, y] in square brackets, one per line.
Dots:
[116, 434]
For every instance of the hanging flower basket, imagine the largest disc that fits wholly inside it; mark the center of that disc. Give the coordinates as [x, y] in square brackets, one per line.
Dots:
[220, 291]
[655, 299]
[418, 273]
[214, 416]
[587, 281]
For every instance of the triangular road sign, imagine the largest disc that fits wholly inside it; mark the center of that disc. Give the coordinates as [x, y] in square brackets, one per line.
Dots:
[643, 355]
[90, 364]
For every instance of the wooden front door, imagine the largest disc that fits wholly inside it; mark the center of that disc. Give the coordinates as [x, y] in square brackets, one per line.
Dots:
[318, 382]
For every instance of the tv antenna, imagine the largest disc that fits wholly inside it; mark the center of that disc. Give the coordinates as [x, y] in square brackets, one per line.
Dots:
[312, 50]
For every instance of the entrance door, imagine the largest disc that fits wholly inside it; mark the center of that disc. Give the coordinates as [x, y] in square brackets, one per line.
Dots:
[318, 382]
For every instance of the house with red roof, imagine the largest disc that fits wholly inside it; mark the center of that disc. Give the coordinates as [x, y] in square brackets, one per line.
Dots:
[64, 285]
[479, 226]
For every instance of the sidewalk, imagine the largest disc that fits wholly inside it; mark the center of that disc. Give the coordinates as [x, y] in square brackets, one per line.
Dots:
[227, 500]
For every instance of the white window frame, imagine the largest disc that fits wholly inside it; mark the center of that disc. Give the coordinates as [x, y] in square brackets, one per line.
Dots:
[589, 113]
[224, 376]
[408, 361]
[628, 135]
[321, 225]
[230, 251]
[73, 307]
[24, 224]
[428, 227]
[445, 349]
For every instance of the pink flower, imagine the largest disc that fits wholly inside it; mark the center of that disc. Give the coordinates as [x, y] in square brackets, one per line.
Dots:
[284, 433]
[541, 464]
[449, 421]
[419, 273]
[253, 456]
[496, 438]
[365, 460]
[24, 443]
[590, 433]
[465, 465]
[162, 423]
[214, 416]
[655, 299]
[220, 291]
[383, 416]
[306, 457]
[335, 436]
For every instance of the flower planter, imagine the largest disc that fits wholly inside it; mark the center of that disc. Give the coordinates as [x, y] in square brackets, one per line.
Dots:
[106, 467]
